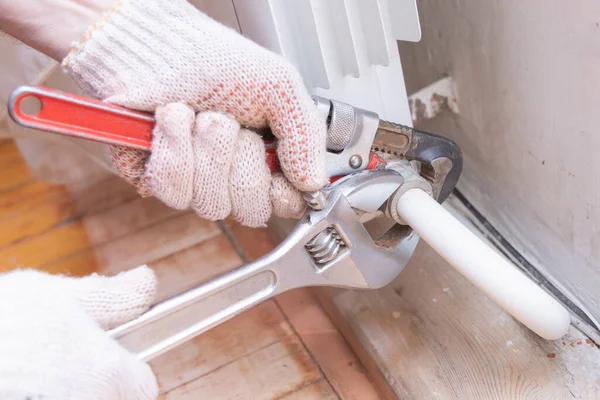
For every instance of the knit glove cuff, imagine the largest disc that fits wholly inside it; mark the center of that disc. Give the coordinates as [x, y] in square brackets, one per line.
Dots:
[135, 41]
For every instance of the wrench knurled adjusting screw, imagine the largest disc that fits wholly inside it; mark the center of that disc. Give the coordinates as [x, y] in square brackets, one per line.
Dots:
[325, 246]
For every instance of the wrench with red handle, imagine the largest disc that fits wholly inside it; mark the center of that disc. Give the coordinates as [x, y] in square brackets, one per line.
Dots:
[72, 115]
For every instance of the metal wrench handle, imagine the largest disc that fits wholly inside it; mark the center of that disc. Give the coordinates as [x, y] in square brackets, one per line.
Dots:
[197, 310]
[189, 314]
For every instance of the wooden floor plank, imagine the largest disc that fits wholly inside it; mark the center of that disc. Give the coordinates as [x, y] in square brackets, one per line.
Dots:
[78, 264]
[154, 242]
[28, 196]
[142, 246]
[250, 338]
[36, 207]
[268, 373]
[328, 347]
[24, 222]
[15, 171]
[91, 197]
[126, 218]
[56, 222]
[356, 343]
[320, 390]
[187, 268]
[44, 248]
[147, 226]
[243, 335]
[253, 242]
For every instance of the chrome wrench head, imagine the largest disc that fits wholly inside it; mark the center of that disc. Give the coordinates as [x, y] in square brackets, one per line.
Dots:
[341, 248]
[350, 135]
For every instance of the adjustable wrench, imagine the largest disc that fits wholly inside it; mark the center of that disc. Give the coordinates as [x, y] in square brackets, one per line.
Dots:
[328, 247]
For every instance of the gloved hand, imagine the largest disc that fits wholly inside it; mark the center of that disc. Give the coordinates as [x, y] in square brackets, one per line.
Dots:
[167, 57]
[52, 340]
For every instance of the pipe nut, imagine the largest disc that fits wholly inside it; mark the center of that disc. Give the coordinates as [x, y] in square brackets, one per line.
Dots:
[412, 180]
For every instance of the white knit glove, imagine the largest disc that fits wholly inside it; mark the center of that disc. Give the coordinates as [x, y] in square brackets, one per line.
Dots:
[52, 340]
[167, 57]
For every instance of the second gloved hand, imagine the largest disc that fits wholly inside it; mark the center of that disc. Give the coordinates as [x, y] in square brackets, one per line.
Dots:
[169, 58]
[53, 342]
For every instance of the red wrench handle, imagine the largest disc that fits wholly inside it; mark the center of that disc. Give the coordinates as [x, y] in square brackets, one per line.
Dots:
[86, 118]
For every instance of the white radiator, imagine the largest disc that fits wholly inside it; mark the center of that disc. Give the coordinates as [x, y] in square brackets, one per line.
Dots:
[345, 49]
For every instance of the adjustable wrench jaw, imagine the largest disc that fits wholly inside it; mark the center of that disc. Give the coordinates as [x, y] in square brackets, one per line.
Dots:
[354, 135]
[350, 135]
[354, 259]
[377, 246]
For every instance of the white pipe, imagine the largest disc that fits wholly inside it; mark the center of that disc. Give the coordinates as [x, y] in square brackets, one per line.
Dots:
[483, 267]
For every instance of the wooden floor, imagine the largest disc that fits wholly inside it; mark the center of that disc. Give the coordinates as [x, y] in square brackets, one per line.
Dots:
[286, 348]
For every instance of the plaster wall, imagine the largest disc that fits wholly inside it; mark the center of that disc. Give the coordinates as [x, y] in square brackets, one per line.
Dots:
[528, 81]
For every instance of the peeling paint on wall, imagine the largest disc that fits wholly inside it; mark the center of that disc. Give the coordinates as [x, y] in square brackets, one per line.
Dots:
[431, 100]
